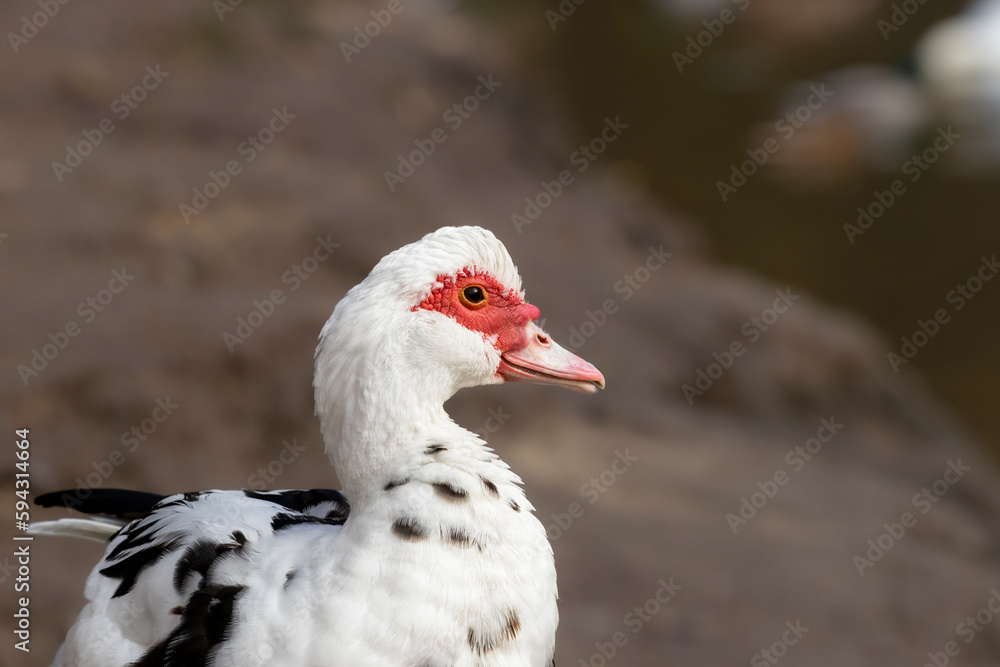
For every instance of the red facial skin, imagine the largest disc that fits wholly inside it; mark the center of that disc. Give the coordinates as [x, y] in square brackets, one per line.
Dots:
[505, 314]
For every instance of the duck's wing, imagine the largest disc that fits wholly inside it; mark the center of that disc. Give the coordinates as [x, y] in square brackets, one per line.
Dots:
[164, 590]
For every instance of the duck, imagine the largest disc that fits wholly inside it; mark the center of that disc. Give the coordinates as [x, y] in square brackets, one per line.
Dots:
[430, 555]
[959, 60]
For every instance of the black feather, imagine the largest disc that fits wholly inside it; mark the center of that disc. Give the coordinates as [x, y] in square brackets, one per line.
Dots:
[204, 625]
[303, 500]
[129, 568]
[197, 558]
[110, 502]
[285, 520]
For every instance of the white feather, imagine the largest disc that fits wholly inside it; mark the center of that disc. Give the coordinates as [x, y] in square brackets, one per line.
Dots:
[97, 529]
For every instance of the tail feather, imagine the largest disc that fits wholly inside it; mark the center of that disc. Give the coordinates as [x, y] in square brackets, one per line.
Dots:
[119, 507]
[120, 503]
[100, 530]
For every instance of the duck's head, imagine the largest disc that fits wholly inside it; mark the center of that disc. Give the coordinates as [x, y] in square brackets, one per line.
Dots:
[451, 305]
[438, 315]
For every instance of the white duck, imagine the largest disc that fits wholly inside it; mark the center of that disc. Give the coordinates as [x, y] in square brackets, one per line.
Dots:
[959, 59]
[440, 562]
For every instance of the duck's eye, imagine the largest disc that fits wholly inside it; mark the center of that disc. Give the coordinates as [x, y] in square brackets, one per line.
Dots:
[473, 297]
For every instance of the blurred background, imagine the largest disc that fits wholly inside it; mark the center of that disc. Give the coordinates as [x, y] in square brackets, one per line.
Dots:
[823, 174]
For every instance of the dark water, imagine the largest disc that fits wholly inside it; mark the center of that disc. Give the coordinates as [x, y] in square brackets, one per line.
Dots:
[688, 129]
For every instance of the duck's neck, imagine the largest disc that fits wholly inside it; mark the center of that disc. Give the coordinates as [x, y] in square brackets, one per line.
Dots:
[366, 443]
[375, 415]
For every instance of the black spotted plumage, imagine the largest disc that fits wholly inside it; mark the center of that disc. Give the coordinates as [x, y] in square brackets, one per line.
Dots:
[197, 558]
[408, 528]
[207, 613]
[150, 535]
[491, 487]
[143, 543]
[483, 641]
[392, 484]
[129, 568]
[460, 537]
[205, 624]
[450, 492]
[303, 501]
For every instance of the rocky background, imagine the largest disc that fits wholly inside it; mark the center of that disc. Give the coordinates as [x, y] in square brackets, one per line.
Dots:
[809, 377]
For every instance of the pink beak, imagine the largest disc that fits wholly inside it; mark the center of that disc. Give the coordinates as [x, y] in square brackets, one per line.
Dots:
[544, 362]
